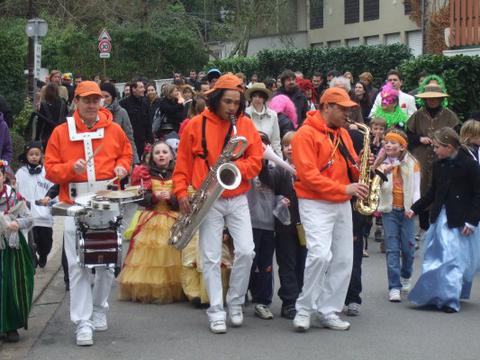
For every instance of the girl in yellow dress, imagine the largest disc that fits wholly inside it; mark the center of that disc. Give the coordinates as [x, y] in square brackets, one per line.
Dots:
[152, 270]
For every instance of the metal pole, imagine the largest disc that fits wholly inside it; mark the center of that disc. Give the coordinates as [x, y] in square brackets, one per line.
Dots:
[104, 69]
[31, 57]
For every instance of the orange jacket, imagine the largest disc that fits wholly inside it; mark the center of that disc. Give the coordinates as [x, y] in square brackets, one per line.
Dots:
[61, 153]
[312, 149]
[191, 169]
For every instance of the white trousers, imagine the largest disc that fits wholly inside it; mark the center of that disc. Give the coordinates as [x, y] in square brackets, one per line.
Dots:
[83, 298]
[329, 235]
[233, 213]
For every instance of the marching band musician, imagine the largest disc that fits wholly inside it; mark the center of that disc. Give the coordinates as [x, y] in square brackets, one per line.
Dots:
[325, 160]
[82, 155]
[202, 143]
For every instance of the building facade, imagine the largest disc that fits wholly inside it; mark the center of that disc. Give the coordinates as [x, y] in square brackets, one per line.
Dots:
[335, 23]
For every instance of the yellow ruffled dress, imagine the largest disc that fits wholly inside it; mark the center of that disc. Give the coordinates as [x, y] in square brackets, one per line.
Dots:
[152, 270]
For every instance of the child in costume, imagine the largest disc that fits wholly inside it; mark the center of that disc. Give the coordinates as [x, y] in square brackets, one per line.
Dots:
[16, 264]
[152, 270]
[397, 195]
[452, 243]
[33, 186]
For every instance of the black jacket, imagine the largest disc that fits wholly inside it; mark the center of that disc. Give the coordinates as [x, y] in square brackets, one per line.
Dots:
[137, 109]
[49, 116]
[174, 112]
[285, 124]
[455, 185]
[281, 182]
[300, 101]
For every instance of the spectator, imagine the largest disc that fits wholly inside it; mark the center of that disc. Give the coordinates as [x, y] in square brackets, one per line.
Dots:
[286, 113]
[306, 88]
[153, 100]
[67, 82]
[265, 119]
[367, 78]
[55, 77]
[193, 80]
[188, 94]
[6, 110]
[390, 110]
[120, 115]
[253, 80]
[318, 85]
[354, 113]
[333, 73]
[172, 108]
[6, 148]
[362, 98]
[289, 88]
[212, 76]
[348, 75]
[137, 109]
[53, 111]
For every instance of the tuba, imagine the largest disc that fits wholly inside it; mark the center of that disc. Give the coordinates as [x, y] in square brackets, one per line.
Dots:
[372, 178]
[223, 176]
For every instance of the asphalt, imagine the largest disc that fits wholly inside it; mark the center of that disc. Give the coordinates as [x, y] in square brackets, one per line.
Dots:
[177, 331]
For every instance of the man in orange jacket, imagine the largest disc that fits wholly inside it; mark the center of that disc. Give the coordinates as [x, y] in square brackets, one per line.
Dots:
[200, 146]
[82, 155]
[325, 161]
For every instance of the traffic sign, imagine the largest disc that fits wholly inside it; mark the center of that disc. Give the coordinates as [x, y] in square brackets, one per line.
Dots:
[104, 46]
[104, 55]
[104, 35]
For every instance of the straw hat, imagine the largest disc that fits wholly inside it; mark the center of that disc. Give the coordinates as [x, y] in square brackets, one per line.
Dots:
[258, 87]
[432, 92]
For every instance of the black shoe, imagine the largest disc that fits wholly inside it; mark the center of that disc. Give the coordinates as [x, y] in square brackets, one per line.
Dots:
[196, 302]
[67, 285]
[448, 310]
[42, 261]
[288, 312]
[12, 336]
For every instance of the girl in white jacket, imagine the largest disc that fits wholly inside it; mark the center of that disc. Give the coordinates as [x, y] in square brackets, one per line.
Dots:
[33, 186]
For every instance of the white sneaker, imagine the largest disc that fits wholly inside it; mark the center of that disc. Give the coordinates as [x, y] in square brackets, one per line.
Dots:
[84, 334]
[236, 316]
[100, 321]
[406, 285]
[301, 322]
[263, 312]
[218, 327]
[331, 321]
[394, 295]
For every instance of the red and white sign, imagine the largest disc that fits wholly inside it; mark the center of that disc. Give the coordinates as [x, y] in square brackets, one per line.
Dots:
[104, 46]
[104, 35]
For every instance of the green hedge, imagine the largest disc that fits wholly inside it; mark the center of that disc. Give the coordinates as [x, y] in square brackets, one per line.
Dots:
[376, 59]
[461, 75]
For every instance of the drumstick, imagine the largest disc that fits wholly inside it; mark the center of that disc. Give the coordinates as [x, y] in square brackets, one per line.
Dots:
[97, 150]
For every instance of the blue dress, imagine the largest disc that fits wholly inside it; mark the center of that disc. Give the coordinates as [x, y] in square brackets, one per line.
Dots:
[449, 265]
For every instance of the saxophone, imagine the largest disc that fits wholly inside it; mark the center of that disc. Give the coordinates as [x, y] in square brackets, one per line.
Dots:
[372, 178]
[223, 176]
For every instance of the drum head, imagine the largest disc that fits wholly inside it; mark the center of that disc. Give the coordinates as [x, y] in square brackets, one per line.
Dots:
[118, 195]
[84, 199]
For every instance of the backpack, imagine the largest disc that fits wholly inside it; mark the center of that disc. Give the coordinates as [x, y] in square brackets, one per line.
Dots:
[159, 118]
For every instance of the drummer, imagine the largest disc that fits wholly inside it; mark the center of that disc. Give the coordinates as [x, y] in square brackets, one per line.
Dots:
[82, 156]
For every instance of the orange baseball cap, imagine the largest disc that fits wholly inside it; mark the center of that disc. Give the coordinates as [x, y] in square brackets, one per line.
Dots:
[228, 82]
[87, 88]
[338, 96]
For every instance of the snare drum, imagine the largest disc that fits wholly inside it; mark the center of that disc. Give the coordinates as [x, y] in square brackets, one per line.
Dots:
[99, 248]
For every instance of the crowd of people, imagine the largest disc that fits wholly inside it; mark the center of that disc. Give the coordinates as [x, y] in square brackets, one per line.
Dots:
[308, 143]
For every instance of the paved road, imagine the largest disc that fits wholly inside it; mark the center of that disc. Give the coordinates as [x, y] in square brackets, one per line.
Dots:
[177, 331]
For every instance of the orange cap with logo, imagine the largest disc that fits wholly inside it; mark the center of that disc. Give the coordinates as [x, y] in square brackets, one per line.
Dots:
[338, 96]
[87, 88]
[227, 82]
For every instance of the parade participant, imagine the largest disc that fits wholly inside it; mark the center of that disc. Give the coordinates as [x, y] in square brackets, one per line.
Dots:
[200, 147]
[420, 128]
[390, 109]
[264, 118]
[325, 160]
[290, 248]
[470, 139]
[33, 186]
[73, 160]
[396, 197]
[452, 243]
[16, 265]
[152, 269]
[405, 101]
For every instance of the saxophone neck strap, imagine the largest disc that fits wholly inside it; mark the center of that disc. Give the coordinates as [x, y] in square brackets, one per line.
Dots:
[204, 156]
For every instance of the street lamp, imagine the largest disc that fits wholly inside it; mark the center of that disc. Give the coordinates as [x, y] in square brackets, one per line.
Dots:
[36, 28]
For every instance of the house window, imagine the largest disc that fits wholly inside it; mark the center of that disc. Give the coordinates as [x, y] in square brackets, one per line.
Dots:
[407, 6]
[316, 14]
[352, 42]
[371, 10]
[334, 44]
[352, 11]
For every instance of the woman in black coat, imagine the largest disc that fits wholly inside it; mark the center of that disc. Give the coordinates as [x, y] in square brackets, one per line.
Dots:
[53, 111]
[171, 107]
